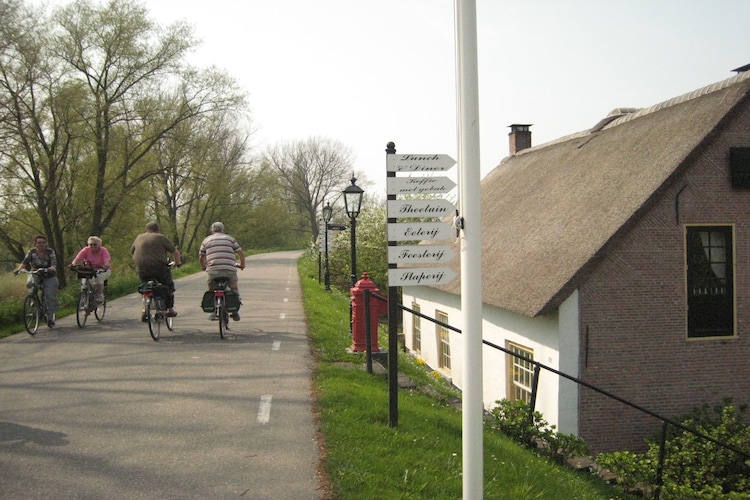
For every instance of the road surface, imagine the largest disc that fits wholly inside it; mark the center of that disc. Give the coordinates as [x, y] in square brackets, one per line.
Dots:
[106, 412]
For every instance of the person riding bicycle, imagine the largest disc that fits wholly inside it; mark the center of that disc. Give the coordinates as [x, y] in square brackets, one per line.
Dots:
[43, 257]
[96, 256]
[217, 257]
[149, 251]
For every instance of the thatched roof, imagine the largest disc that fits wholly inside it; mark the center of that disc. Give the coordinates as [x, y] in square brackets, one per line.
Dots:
[549, 210]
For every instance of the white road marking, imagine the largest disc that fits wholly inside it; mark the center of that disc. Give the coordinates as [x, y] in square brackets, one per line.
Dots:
[286, 300]
[264, 411]
[282, 316]
[276, 345]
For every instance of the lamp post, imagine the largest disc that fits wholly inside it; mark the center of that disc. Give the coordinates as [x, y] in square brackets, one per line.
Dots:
[353, 203]
[327, 213]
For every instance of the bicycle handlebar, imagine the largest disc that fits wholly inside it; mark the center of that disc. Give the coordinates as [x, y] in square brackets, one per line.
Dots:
[41, 270]
[86, 269]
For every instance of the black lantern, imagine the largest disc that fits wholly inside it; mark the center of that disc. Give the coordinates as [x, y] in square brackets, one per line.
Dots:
[353, 203]
[353, 199]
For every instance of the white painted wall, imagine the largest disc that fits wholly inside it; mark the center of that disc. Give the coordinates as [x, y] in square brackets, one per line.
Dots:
[553, 338]
[570, 348]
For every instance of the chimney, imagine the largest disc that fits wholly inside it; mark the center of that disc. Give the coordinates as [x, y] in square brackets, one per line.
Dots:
[520, 138]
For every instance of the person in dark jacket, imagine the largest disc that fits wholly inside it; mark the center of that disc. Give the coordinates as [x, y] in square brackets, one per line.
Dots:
[149, 251]
[43, 257]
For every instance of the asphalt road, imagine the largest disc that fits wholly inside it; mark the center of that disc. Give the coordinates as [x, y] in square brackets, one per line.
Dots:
[106, 412]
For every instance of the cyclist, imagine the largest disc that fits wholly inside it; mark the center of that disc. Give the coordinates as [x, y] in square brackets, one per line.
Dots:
[96, 256]
[149, 251]
[217, 257]
[41, 256]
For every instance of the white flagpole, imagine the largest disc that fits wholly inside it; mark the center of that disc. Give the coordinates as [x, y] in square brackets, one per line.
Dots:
[471, 246]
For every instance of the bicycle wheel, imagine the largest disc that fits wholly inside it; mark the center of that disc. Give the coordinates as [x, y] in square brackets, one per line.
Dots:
[32, 311]
[101, 309]
[169, 322]
[221, 314]
[154, 322]
[82, 312]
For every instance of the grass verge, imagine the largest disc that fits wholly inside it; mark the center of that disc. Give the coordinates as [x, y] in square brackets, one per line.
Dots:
[421, 458]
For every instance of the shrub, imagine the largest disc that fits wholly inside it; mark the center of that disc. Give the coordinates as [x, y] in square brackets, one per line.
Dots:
[694, 467]
[372, 251]
[515, 420]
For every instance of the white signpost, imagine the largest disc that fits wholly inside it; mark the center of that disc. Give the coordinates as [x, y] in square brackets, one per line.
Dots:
[415, 276]
[404, 209]
[430, 226]
[418, 231]
[420, 254]
[419, 163]
[420, 185]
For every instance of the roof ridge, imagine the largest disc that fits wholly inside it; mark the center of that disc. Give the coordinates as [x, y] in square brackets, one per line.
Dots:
[708, 89]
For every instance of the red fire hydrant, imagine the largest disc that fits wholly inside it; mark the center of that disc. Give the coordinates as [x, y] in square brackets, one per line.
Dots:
[377, 306]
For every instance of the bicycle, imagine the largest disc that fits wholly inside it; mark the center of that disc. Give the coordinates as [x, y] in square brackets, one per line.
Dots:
[34, 305]
[87, 302]
[221, 302]
[155, 305]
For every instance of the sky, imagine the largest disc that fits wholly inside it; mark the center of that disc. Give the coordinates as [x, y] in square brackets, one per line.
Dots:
[364, 73]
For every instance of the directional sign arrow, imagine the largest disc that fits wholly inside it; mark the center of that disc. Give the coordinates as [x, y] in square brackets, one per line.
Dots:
[420, 208]
[420, 254]
[415, 276]
[419, 185]
[418, 231]
[419, 163]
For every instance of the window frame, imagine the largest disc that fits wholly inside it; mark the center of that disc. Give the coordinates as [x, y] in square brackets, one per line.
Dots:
[709, 296]
[416, 328]
[518, 372]
[443, 337]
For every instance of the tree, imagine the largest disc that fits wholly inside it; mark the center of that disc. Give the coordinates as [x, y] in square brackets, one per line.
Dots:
[311, 170]
[127, 64]
[202, 167]
[37, 130]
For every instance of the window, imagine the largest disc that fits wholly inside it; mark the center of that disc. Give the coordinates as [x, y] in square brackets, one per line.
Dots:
[710, 281]
[520, 373]
[444, 341]
[739, 164]
[416, 329]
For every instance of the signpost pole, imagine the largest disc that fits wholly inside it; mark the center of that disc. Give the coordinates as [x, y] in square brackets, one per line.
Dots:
[393, 311]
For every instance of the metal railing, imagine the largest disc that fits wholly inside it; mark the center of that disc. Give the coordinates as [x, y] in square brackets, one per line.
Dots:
[666, 422]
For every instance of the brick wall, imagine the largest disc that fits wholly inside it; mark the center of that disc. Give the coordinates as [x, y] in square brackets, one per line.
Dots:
[633, 309]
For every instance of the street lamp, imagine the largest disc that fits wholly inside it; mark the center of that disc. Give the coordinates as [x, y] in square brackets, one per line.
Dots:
[353, 204]
[327, 214]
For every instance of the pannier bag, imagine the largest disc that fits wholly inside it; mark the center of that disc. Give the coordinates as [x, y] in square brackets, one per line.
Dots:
[231, 296]
[160, 291]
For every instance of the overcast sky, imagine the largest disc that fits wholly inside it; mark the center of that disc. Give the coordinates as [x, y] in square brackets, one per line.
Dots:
[368, 72]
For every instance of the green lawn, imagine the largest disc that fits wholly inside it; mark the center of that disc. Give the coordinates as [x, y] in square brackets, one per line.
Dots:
[421, 458]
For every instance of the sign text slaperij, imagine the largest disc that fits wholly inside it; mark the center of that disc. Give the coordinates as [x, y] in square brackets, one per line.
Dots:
[415, 276]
